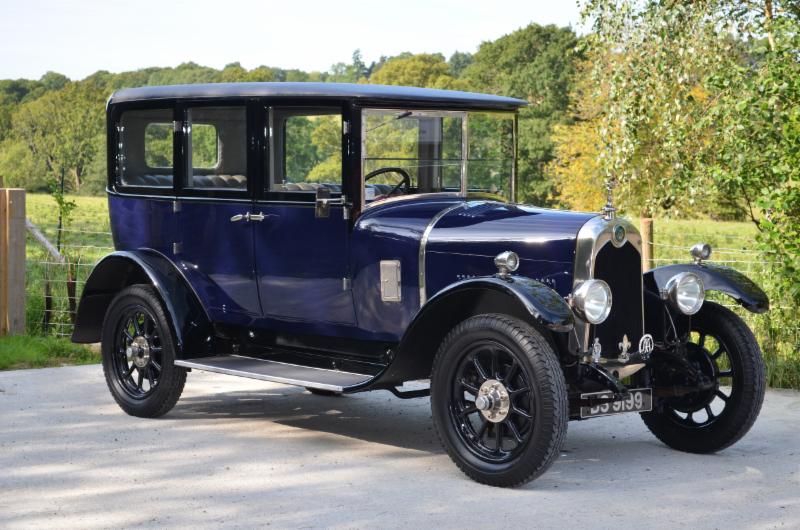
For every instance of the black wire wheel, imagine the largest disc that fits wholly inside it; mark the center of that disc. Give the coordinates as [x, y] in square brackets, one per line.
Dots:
[139, 352]
[723, 349]
[498, 400]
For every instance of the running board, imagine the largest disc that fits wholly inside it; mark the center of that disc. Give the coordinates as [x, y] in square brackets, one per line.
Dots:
[277, 372]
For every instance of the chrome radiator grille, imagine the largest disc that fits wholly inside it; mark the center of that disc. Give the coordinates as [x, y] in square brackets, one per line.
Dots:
[621, 269]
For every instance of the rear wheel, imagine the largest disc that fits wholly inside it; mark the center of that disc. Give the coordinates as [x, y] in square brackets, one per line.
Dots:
[724, 349]
[499, 400]
[138, 351]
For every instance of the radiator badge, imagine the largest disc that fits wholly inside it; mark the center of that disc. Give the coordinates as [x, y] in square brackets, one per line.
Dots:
[624, 346]
[646, 346]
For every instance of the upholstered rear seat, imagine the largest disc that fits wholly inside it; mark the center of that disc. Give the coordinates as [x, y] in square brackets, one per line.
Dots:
[199, 181]
[308, 186]
[149, 180]
[220, 181]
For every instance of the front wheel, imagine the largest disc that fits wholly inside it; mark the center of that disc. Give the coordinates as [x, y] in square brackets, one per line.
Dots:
[138, 350]
[499, 400]
[724, 349]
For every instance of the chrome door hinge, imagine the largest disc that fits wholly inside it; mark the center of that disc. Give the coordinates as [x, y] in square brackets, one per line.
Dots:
[345, 127]
[177, 248]
[346, 284]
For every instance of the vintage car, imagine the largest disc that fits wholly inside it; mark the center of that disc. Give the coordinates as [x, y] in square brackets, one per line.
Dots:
[347, 238]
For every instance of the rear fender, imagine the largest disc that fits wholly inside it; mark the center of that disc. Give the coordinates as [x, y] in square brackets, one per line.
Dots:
[523, 298]
[188, 320]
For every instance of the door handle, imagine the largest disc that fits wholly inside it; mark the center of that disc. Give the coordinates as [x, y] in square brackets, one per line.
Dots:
[247, 216]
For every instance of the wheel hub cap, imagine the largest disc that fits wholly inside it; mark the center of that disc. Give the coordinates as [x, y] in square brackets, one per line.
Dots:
[138, 352]
[493, 400]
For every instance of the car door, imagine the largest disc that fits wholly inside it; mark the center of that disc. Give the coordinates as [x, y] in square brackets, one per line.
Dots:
[215, 252]
[301, 258]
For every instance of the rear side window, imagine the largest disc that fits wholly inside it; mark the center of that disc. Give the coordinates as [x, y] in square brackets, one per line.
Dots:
[145, 148]
[217, 153]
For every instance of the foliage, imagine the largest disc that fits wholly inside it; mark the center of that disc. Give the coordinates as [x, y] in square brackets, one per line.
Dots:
[702, 102]
[535, 63]
[428, 70]
[59, 130]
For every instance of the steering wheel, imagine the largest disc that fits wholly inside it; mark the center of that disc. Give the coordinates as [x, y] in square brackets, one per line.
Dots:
[406, 181]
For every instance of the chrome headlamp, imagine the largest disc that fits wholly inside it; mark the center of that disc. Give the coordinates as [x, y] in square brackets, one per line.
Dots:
[686, 292]
[592, 300]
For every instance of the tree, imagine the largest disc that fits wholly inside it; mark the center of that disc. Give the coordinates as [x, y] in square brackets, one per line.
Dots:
[535, 63]
[428, 70]
[703, 101]
[59, 130]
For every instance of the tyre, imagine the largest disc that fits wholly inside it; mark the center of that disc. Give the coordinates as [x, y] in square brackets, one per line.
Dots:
[725, 350]
[324, 393]
[138, 350]
[499, 400]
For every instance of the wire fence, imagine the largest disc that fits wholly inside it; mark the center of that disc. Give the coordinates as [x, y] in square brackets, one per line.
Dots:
[55, 276]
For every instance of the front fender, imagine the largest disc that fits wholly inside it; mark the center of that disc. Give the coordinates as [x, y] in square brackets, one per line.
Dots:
[189, 321]
[542, 304]
[715, 278]
[523, 298]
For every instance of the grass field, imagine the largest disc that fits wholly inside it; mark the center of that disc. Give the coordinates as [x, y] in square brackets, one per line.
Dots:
[86, 239]
[24, 351]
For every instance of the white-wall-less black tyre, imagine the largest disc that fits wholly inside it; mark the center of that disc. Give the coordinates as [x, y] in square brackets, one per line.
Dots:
[725, 350]
[499, 400]
[138, 350]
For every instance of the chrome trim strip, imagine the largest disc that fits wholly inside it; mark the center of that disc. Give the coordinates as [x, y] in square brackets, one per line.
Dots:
[592, 237]
[423, 295]
[197, 365]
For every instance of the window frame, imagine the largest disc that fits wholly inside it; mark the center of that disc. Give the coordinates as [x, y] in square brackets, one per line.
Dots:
[422, 112]
[182, 111]
[114, 182]
[269, 158]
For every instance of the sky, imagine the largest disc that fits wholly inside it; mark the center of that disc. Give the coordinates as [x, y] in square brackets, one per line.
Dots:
[79, 37]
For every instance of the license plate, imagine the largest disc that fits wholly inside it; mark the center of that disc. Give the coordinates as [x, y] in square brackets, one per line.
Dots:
[637, 400]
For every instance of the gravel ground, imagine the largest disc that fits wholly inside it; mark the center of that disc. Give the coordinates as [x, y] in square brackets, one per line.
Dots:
[243, 453]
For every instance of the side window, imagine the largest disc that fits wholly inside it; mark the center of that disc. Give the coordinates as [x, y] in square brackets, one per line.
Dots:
[217, 149]
[144, 150]
[307, 147]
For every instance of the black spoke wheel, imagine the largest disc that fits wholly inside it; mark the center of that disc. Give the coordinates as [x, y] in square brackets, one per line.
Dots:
[138, 354]
[723, 349]
[499, 425]
[498, 399]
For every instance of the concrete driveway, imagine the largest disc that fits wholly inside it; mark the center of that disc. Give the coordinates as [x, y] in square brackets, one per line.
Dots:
[243, 453]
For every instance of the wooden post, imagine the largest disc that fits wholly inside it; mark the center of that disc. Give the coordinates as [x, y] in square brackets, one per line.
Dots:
[12, 261]
[647, 244]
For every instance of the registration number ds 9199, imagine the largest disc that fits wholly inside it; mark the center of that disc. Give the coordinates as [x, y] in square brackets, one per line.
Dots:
[637, 400]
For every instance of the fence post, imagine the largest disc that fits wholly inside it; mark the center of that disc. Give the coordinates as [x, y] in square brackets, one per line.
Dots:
[12, 261]
[647, 244]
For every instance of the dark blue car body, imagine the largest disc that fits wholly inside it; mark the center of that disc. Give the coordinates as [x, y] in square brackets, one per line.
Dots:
[308, 289]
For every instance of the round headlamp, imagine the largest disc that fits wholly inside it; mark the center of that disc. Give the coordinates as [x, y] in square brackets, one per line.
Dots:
[592, 300]
[686, 292]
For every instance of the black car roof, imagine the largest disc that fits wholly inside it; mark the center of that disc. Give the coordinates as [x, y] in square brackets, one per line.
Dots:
[366, 93]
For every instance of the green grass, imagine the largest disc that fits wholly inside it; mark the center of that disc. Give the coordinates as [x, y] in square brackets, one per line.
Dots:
[734, 245]
[23, 351]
